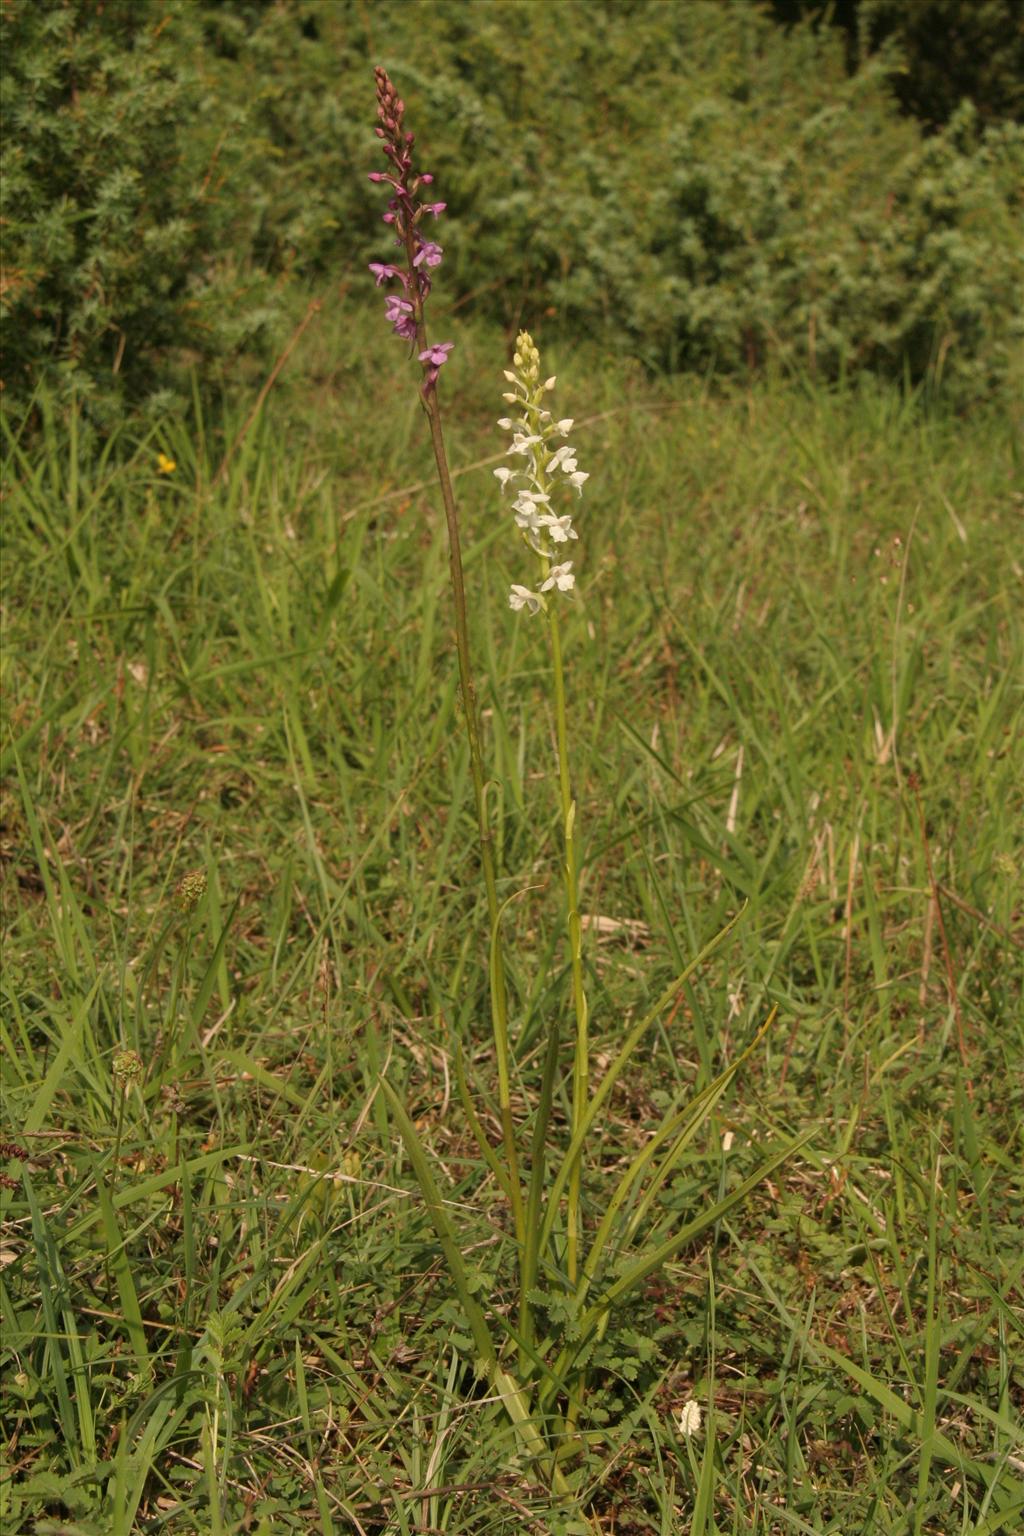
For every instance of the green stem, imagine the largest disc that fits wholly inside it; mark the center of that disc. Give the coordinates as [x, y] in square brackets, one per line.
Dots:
[531, 1253]
[581, 1047]
[499, 993]
[120, 1128]
[178, 985]
[574, 928]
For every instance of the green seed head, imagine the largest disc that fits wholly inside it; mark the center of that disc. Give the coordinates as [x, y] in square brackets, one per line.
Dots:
[126, 1067]
[190, 890]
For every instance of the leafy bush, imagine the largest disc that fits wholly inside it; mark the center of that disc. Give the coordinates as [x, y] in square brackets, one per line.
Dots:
[118, 196]
[938, 53]
[690, 184]
[948, 51]
[706, 190]
[798, 257]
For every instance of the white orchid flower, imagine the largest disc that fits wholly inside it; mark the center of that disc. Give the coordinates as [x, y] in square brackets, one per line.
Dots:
[544, 470]
[561, 577]
[560, 529]
[522, 597]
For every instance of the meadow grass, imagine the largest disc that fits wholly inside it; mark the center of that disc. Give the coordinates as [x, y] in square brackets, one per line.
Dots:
[794, 676]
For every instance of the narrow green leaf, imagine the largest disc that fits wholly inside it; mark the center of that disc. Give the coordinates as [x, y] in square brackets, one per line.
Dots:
[442, 1226]
[70, 1046]
[690, 1119]
[530, 1253]
[487, 1152]
[511, 1393]
[615, 1071]
[117, 1259]
[647, 1263]
[209, 980]
[703, 1509]
[910, 1419]
[279, 1086]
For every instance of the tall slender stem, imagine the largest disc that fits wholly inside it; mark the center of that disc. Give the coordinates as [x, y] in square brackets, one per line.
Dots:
[574, 929]
[499, 993]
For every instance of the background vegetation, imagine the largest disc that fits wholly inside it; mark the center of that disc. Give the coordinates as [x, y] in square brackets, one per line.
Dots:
[782, 312]
[696, 185]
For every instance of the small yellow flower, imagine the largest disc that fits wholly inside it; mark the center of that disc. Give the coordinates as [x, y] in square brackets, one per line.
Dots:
[164, 465]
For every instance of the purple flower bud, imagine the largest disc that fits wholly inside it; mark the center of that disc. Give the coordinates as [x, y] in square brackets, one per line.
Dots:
[435, 208]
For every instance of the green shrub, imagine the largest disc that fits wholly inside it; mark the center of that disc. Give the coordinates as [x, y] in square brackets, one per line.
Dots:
[690, 184]
[819, 262]
[118, 197]
[947, 51]
[938, 53]
[705, 190]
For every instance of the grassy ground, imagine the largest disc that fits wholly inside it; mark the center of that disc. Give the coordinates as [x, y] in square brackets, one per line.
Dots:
[795, 681]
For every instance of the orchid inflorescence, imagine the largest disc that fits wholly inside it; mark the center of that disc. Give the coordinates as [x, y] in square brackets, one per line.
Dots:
[404, 312]
[546, 468]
